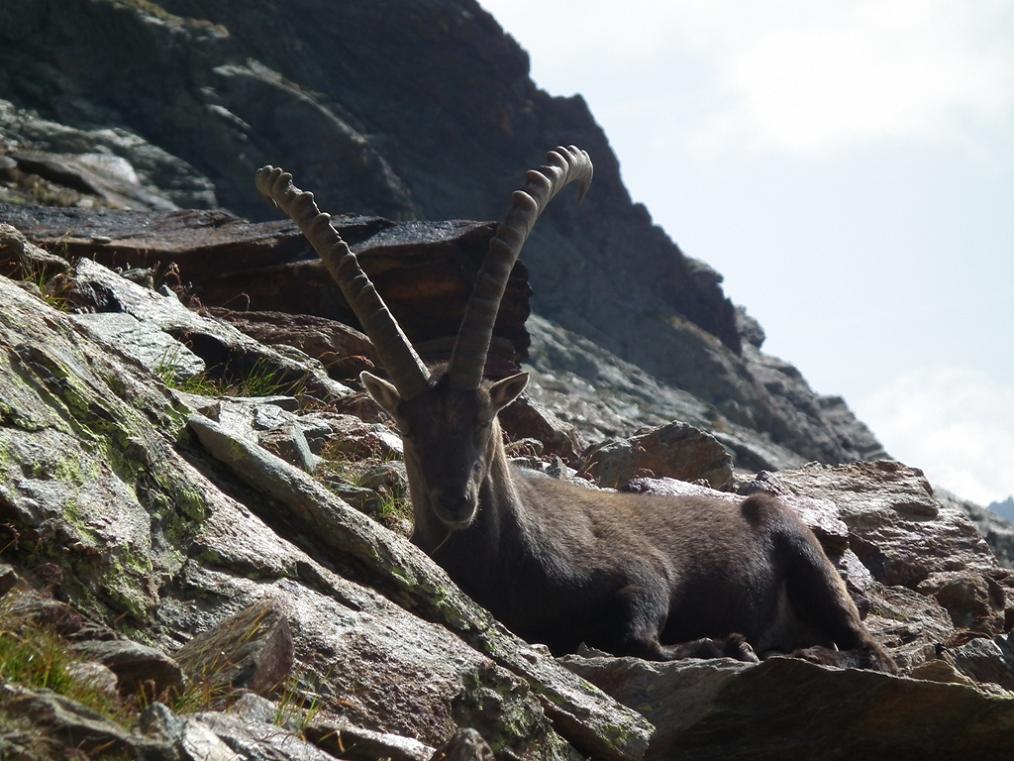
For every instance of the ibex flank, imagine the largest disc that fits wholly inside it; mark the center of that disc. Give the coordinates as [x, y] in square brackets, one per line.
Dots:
[652, 577]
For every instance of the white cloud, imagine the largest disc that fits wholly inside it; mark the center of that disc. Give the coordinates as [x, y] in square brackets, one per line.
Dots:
[796, 75]
[862, 70]
[955, 423]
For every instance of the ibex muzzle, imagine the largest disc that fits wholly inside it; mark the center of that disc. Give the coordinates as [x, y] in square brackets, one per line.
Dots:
[658, 578]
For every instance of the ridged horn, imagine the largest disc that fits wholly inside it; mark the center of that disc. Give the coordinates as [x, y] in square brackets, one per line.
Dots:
[408, 373]
[563, 166]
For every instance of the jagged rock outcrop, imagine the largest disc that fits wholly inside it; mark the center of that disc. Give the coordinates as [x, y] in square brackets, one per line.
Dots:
[197, 515]
[435, 118]
[724, 709]
[992, 526]
[1004, 509]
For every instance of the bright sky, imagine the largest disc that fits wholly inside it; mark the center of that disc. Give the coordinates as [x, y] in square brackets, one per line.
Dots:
[848, 166]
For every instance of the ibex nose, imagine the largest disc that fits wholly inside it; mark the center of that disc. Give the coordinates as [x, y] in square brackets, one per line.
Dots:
[455, 511]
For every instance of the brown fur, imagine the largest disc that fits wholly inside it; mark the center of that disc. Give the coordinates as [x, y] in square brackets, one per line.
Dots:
[653, 577]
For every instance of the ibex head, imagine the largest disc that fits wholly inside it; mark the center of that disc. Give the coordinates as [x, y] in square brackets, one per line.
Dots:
[450, 436]
[448, 419]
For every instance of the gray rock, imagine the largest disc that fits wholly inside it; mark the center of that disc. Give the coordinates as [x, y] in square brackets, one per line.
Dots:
[21, 259]
[144, 342]
[8, 579]
[290, 444]
[896, 526]
[910, 625]
[675, 450]
[974, 600]
[464, 745]
[226, 351]
[251, 649]
[997, 530]
[39, 724]
[112, 163]
[345, 740]
[138, 668]
[258, 741]
[96, 675]
[190, 739]
[989, 661]
[729, 710]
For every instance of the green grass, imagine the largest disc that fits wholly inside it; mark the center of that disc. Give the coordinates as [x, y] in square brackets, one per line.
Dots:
[41, 277]
[394, 506]
[394, 509]
[294, 712]
[261, 380]
[38, 658]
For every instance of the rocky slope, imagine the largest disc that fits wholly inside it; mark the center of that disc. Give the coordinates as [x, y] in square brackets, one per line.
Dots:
[145, 104]
[206, 552]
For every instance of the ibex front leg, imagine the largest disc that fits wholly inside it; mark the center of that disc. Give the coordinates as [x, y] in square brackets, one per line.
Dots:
[644, 615]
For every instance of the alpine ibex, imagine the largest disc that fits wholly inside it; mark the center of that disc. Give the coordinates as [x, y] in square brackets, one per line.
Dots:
[559, 564]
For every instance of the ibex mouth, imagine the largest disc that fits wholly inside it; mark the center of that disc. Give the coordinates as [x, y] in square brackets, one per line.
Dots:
[456, 525]
[460, 516]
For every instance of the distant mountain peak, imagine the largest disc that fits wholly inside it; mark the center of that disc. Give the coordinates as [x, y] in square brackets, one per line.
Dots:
[1004, 509]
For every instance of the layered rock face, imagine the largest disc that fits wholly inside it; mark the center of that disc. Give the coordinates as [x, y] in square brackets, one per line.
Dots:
[435, 117]
[203, 541]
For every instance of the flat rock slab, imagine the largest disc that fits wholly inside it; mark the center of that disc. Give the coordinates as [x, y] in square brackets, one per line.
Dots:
[227, 352]
[137, 666]
[145, 342]
[423, 270]
[786, 708]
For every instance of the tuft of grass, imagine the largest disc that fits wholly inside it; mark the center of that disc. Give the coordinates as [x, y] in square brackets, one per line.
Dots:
[42, 278]
[38, 658]
[294, 712]
[206, 691]
[265, 380]
[261, 380]
[394, 509]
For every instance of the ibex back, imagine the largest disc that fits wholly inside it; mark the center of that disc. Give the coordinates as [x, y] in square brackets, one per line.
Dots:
[653, 577]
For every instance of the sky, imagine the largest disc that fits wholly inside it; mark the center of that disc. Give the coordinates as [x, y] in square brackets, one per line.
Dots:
[848, 167]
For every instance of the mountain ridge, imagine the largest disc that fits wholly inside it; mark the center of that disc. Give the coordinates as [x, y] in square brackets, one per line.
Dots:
[434, 117]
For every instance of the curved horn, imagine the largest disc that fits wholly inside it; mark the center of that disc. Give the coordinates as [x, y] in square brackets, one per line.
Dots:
[563, 166]
[407, 371]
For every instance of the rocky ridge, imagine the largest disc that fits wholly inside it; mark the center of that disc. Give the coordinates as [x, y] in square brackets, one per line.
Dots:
[176, 103]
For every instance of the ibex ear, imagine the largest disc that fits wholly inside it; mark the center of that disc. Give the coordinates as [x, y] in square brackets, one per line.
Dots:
[382, 392]
[505, 391]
